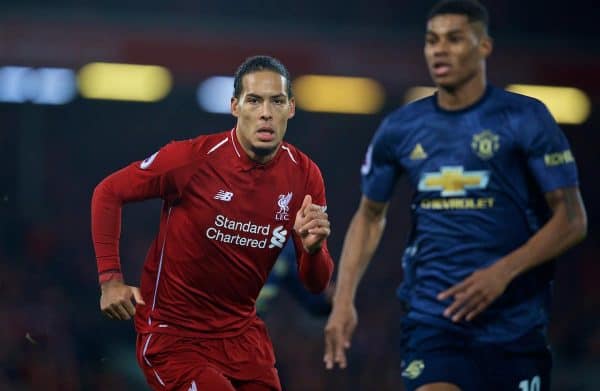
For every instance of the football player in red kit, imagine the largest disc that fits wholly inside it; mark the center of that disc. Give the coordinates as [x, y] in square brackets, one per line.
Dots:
[231, 201]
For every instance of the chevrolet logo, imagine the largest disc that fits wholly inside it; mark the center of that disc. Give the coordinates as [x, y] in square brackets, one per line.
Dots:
[453, 181]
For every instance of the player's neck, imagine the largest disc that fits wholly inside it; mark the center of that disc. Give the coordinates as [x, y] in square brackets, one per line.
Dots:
[261, 159]
[462, 96]
[254, 155]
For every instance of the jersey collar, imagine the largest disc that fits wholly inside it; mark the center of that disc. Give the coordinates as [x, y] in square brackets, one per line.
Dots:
[243, 161]
[486, 93]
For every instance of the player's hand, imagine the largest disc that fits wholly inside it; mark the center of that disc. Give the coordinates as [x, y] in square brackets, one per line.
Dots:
[115, 301]
[338, 333]
[312, 225]
[475, 293]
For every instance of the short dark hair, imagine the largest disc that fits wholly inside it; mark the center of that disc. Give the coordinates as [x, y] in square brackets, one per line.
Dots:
[257, 64]
[472, 9]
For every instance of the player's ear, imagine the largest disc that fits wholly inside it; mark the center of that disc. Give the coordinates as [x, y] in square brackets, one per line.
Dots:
[292, 108]
[235, 106]
[486, 46]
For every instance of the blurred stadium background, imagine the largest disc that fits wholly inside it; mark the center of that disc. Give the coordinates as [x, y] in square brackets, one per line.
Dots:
[69, 116]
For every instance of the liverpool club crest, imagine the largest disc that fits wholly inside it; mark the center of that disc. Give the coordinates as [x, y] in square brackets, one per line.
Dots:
[283, 203]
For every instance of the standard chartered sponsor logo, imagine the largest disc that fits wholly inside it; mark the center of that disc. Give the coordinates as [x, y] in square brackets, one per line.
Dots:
[226, 230]
[220, 236]
[278, 238]
[249, 226]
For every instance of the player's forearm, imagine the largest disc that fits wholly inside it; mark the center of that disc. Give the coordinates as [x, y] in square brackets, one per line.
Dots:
[106, 229]
[361, 241]
[567, 227]
[315, 270]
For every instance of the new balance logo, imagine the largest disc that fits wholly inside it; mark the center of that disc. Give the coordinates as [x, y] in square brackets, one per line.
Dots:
[418, 153]
[223, 195]
[278, 238]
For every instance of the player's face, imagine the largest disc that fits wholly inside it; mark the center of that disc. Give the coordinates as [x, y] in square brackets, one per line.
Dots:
[262, 112]
[455, 50]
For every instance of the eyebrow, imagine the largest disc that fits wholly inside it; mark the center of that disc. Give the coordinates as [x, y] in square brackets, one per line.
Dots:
[455, 31]
[280, 95]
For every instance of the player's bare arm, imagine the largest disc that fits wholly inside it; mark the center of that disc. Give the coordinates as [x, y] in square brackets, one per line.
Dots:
[312, 224]
[116, 299]
[566, 227]
[360, 244]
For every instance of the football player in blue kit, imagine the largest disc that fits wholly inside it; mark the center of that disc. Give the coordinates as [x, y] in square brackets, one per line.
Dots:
[496, 201]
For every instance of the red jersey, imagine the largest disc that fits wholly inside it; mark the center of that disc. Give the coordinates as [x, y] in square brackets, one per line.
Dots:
[224, 221]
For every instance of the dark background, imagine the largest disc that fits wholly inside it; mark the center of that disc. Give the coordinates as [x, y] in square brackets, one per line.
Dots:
[52, 335]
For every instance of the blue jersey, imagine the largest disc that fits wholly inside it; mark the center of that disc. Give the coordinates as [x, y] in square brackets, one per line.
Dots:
[284, 275]
[479, 175]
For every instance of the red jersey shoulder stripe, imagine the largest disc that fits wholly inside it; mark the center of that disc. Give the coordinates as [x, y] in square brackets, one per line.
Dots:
[218, 145]
[289, 152]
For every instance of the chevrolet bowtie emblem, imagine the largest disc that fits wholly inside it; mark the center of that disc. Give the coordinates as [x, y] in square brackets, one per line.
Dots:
[453, 181]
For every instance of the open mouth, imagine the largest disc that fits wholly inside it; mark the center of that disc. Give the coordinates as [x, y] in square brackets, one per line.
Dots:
[265, 134]
[441, 68]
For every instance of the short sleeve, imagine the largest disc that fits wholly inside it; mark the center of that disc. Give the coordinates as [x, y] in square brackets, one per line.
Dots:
[549, 155]
[380, 169]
